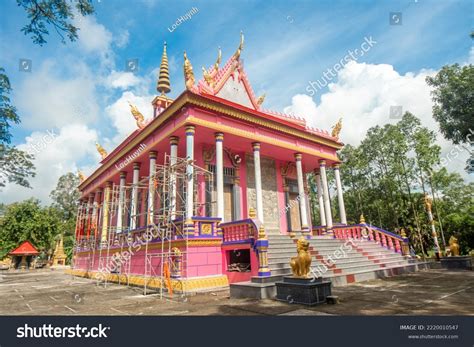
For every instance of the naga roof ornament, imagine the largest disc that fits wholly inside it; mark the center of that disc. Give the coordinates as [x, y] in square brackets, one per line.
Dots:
[139, 118]
[188, 73]
[101, 150]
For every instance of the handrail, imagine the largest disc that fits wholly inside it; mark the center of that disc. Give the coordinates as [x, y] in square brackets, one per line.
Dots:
[378, 235]
[244, 230]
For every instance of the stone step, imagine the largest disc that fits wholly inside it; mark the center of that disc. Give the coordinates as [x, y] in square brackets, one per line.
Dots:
[343, 261]
[292, 253]
[344, 270]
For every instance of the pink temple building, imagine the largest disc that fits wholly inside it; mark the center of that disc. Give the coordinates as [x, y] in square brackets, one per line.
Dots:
[213, 175]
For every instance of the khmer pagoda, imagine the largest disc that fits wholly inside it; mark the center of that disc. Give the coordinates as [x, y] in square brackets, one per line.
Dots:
[213, 190]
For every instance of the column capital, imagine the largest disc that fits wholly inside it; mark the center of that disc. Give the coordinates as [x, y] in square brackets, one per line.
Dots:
[219, 137]
[336, 166]
[123, 174]
[322, 162]
[190, 129]
[174, 140]
[152, 154]
[298, 156]
[256, 146]
[136, 165]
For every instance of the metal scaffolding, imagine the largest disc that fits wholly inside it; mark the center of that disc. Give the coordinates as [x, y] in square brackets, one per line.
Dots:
[145, 227]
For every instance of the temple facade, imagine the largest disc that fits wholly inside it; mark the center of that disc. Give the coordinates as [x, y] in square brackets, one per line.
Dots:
[190, 198]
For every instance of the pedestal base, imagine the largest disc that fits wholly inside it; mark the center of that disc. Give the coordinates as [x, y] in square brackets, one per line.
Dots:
[457, 262]
[306, 291]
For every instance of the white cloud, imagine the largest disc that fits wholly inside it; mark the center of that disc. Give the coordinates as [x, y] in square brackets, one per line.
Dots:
[93, 37]
[56, 153]
[122, 119]
[122, 80]
[48, 101]
[121, 40]
[363, 94]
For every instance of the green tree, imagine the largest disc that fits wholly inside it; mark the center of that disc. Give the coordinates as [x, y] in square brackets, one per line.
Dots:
[453, 97]
[15, 165]
[27, 220]
[66, 195]
[65, 200]
[55, 13]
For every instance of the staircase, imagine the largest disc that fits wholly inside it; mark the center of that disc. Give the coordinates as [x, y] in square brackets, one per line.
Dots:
[341, 261]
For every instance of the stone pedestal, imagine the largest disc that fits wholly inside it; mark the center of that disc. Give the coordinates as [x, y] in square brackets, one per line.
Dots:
[457, 262]
[306, 291]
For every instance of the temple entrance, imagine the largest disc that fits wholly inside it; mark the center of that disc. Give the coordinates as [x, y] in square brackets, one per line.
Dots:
[295, 212]
[228, 203]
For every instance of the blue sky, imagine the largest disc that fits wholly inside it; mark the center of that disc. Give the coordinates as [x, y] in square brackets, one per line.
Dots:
[79, 89]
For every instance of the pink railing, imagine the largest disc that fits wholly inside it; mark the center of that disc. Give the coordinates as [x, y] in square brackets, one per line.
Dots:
[244, 230]
[384, 238]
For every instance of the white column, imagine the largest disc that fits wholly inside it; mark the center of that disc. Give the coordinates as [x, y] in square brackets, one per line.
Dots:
[327, 204]
[105, 212]
[151, 188]
[123, 175]
[220, 175]
[301, 194]
[174, 140]
[134, 202]
[258, 180]
[190, 171]
[340, 197]
[322, 215]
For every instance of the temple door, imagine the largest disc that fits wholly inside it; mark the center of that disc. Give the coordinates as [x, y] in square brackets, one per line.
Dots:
[295, 212]
[228, 203]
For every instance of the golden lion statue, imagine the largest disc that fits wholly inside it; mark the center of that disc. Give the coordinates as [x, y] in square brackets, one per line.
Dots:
[454, 246]
[300, 265]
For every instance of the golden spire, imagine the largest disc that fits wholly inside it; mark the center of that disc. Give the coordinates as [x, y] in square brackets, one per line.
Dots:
[163, 85]
[219, 59]
[362, 219]
[101, 150]
[261, 99]
[336, 129]
[188, 72]
[137, 115]
[240, 48]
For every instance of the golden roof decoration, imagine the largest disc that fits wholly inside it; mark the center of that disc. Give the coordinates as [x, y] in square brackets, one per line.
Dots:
[207, 77]
[140, 119]
[188, 73]
[81, 176]
[336, 129]
[219, 59]
[101, 150]
[163, 85]
[240, 48]
[261, 99]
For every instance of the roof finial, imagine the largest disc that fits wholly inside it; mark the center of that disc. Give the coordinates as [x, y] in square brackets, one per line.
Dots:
[188, 72]
[163, 85]
[219, 58]
[241, 46]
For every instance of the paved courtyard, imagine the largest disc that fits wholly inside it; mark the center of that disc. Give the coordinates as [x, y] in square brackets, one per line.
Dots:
[48, 292]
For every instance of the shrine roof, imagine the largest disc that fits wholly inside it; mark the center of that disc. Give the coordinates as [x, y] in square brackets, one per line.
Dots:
[26, 248]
